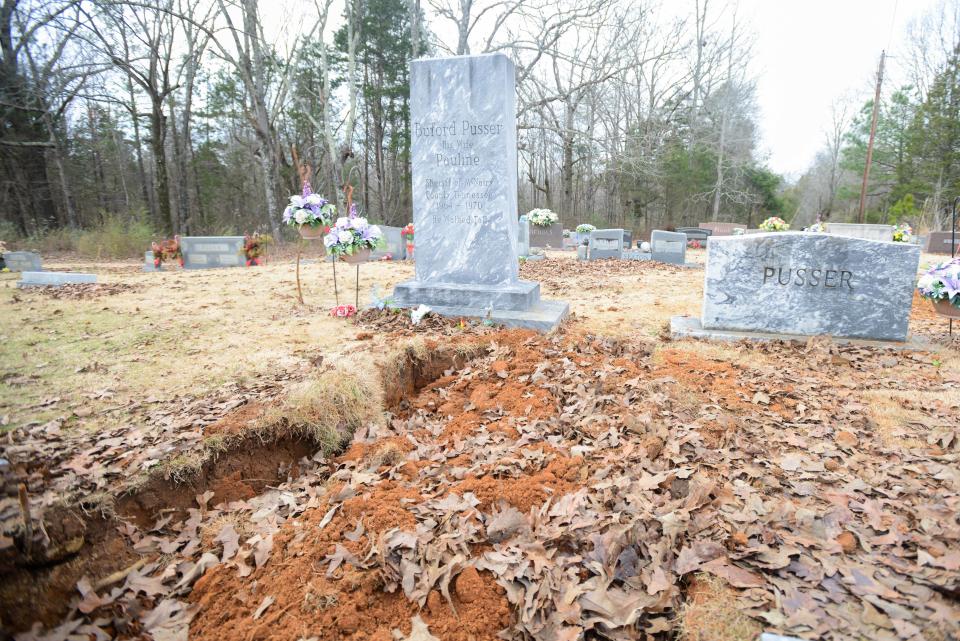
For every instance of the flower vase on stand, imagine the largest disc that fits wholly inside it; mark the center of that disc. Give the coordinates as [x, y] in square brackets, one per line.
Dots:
[409, 251]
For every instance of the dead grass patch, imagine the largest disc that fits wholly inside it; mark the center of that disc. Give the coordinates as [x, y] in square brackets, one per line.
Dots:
[712, 613]
[897, 424]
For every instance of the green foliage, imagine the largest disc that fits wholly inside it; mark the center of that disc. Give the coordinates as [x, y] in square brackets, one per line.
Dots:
[115, 237]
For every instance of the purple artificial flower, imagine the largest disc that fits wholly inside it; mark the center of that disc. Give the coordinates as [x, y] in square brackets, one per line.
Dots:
[306, 189]
[353, 210]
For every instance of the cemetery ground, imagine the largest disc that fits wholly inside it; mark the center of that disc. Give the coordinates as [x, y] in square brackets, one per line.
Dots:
[194, 450]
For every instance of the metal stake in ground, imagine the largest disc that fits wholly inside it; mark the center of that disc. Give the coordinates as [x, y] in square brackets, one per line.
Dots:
[356, 302]
[299, 251]
[336, 294]
[953, 241]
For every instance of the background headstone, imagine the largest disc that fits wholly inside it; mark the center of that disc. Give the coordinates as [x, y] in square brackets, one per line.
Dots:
[938, 242]
[696, 233]
[668, 247]
[721, 229]
[606, 243]
[20, 261]
[545, 237]
[810, 284]
[148, 264]
[464, 164]
[394, 244]
[866, 232]
[53, 279]
[207, 252]
[523, 236]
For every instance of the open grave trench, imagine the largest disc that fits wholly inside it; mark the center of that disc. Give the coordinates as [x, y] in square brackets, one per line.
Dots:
[548, 487]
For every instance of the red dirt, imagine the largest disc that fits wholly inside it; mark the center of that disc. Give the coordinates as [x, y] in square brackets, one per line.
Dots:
[716, 379]
[237, 421]
[557, 479]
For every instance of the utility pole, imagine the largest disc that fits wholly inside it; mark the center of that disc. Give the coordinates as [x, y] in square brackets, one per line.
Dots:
[873, 133]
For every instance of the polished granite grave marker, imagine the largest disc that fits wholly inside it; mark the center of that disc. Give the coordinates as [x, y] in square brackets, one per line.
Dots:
[464, 163]
[606, 243]
[54, 279]
[810, 284]
[393, 244]
[208, 252]
[668, 247]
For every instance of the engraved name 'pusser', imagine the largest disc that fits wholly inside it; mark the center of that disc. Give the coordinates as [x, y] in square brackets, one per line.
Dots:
[808, 277]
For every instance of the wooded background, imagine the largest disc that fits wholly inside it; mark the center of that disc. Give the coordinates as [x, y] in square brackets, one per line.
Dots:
[178, 116]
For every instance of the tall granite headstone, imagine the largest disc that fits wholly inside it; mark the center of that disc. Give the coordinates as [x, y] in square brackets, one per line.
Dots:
[810, 284]
[464, 161]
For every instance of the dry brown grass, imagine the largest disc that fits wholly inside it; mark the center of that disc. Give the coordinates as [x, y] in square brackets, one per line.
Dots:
[711, 613]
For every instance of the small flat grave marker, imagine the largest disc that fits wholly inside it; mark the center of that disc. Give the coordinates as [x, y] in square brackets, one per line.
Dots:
[53, 279]
[938, 242]
[393, 244]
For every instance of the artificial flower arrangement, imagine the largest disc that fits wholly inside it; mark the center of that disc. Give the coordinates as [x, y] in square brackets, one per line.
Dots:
[255, 246]
[542, 217]
[774, 224]
[941, 286]
[818, 227]
[407, 233]
[902, 233]
[310, 213]
[739, 231]
[585, 228]
[352, 238]
[343, 311]
[166, 250]
[694, 244]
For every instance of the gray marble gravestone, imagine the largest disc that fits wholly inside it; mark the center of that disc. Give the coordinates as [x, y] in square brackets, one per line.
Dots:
[148, 262]
[668, 247]
[866, 232]
[20, 261]
[546, 237]
[54, 279]
[394, 244]
[606, 243]
[810, 284]
[207, 252]
[523, 237]
[938, 242]
[696, 233]
[464, 162]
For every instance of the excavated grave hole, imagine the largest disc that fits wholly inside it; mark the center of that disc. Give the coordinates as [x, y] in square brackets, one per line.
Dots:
[39, 585]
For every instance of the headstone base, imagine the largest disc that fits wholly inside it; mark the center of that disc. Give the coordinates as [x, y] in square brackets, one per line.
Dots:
[691, 327]
[544, 316]
[520, 296]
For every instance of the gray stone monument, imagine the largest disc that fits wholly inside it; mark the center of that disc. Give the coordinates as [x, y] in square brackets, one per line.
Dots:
[696, 233]
[207, 252]
[810, 284]
[20, 261]
[148, 262]
[606, 243]
[394, 244]
[523, 237]
[546, 237]
[721, 229]
[866, 232]
[464, 161]
[54, 279]
[668, 247]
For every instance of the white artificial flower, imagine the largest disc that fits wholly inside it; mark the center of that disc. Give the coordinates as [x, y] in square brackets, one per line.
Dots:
[358, 223]
[330, 240]
[926, 281]
[345, 237]
[314, 199]
[301, 216]
[375, 232]
[343, 222]
[296, 201]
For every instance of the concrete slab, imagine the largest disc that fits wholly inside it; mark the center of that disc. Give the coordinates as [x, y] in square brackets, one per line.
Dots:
[544, 316]
[53, 279]
[690, 327]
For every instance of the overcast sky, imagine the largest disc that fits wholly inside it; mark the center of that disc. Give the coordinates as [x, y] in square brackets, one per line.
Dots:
[809, 53]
